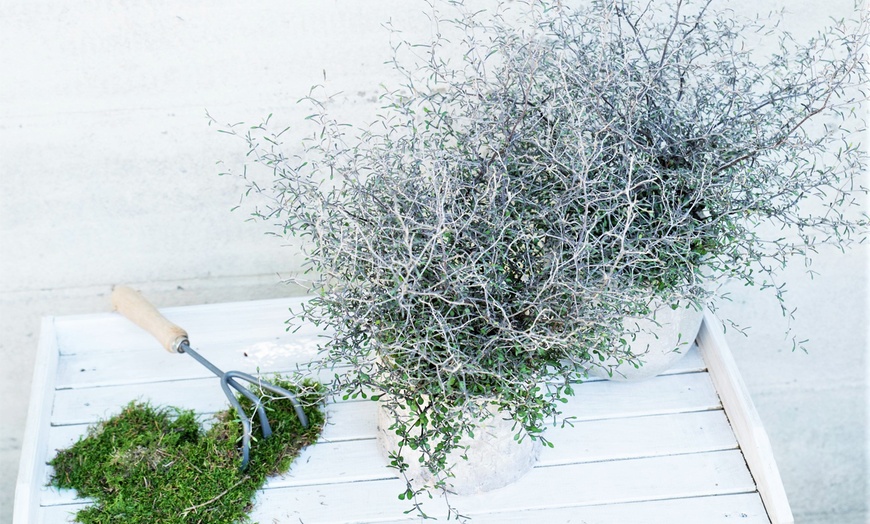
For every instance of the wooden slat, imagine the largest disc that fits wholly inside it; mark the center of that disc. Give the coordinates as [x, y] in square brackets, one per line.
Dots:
[84, 406]
[637, 437]
[51, 496]
[207, 325]
[586, 442]
[56, 514]
[34, 445]
[611, 482]
[600, 399]
[654, 396]
[108, 349]
[744, 508]
[154, 364]
[349, 420]
[744, 419]
[280, 354]
[277, 354]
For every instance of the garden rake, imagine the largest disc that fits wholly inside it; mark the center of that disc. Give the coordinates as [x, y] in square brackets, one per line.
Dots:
[136, 308]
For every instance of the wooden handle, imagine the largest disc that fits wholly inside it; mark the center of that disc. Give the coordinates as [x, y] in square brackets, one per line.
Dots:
[136, 308]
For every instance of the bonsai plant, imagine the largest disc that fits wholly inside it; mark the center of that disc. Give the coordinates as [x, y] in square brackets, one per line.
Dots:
[478, 247]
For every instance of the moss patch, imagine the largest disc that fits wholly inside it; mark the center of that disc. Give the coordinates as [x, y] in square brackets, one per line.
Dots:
[157, 465]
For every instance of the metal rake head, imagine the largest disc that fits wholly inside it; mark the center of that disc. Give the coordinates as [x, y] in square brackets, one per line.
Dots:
[229, 383]
[136, 308]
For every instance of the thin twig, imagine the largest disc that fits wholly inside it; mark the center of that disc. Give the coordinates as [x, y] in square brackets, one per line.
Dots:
[216, 498]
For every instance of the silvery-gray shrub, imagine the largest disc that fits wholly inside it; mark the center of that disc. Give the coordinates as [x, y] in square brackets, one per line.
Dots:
[561, 167]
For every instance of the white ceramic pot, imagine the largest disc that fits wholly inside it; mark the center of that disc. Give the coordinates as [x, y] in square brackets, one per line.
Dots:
[494, 458]
[660, 340]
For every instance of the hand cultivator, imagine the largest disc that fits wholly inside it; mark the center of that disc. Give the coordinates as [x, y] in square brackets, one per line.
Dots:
[136, 308]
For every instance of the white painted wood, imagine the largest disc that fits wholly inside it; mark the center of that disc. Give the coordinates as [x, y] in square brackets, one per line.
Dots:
[207, 324]
[279, 354]
[596, 400]
[638, 437]
[619, 439]
[597, 483]
[347, 422]
[351, 420]
[744, 508]
[57, 514]
[660, 447]
[34, 445]
[149, 365]
[655, 396]
[744, 419]
[82, 406]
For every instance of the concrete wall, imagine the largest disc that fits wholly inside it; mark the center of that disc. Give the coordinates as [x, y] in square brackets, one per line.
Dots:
[108, 175]
[109, 165]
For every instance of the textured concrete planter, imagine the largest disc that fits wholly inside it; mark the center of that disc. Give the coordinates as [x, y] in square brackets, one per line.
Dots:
[660, 341]
[494, 458]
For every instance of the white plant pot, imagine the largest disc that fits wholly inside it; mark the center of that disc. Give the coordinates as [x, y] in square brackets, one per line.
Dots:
[660, 341]
[494, 458]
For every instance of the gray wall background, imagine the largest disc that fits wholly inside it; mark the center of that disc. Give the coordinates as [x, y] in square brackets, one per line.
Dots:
[108, 175]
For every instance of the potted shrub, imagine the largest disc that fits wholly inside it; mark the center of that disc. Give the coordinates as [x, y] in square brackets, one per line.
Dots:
[440, 289]
[481, 245]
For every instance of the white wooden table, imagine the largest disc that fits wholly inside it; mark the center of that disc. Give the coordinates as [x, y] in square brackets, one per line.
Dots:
[684, 447]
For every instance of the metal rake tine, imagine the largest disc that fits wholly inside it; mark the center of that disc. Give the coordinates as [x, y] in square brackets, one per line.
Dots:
[255, 400]
[246, 423]
[289, 395]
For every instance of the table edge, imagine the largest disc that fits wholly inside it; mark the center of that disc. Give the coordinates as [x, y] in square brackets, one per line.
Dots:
[745, 421]
[33, 451]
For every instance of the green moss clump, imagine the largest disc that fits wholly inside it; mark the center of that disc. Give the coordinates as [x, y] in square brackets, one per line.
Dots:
[157, 465]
